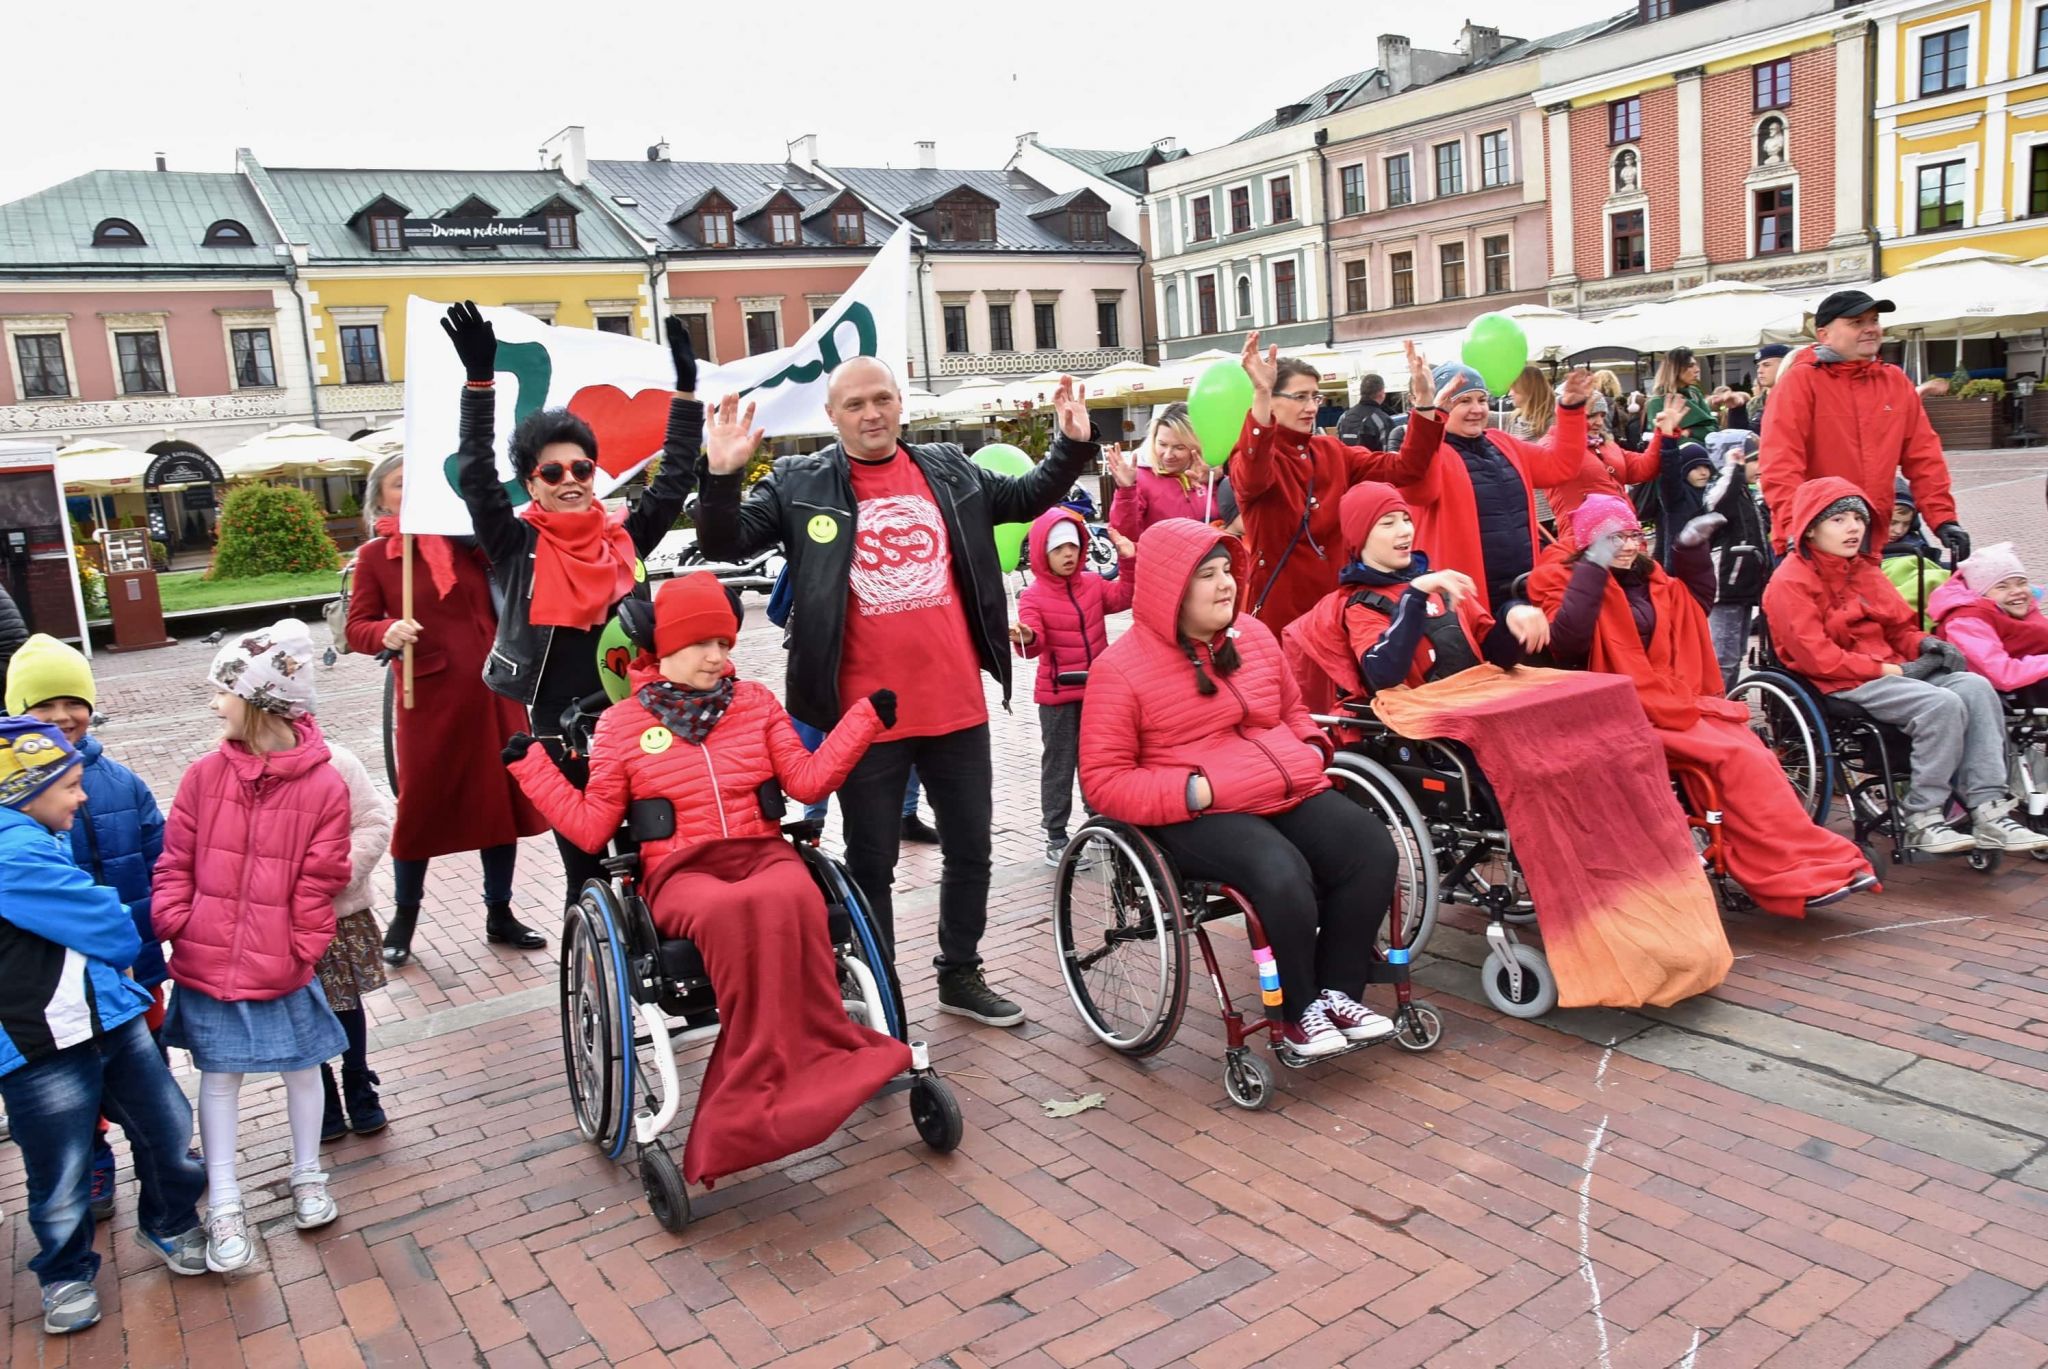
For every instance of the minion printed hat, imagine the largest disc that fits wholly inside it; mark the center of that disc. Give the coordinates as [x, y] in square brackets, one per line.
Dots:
[44, 669]
[33, 756]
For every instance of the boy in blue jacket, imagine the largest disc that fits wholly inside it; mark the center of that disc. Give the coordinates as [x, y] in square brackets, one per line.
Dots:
[72, 1038]
[116, 839]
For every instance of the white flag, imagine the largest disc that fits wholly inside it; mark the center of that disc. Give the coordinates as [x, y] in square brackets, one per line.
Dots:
[621, 385]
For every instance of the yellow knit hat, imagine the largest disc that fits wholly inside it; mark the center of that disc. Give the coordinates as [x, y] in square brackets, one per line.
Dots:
[45, 668]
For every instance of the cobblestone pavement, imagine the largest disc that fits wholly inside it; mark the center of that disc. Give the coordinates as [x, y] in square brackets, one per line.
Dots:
[1838, 1158]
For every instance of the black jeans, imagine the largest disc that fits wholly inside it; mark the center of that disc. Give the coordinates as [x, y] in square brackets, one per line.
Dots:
[1320, 875]
[1059, 726]
[409, 877]
[955, 769]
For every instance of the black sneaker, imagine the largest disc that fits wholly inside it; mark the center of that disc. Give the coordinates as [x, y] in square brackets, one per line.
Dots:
[964, 993]
[918, 830]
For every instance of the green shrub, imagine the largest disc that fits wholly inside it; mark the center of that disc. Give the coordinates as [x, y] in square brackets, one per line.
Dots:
[271, 530]
[1983, 389]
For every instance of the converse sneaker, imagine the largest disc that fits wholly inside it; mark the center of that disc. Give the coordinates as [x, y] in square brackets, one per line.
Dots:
[69, 1306]
[228, 1246]
[964, 993]
[1927, 834]
[312, 1205]
[184, 1253]
[1354, 1019]
[1315, 1035]
[1055, 847]
[1994, 828]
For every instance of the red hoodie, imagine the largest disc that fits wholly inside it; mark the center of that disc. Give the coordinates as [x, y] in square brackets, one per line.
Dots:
[1835, 619]
[1066, 613]
[1860, 420]
[1147, 728]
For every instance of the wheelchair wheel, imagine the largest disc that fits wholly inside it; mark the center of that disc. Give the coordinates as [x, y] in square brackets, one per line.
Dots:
[1248, 1080]
[668, 1198]
[1416, 889]
[935, 1113]
[1118, 930]
[390, 732]
[1985, 862]
[1785, 720]
[1538, 991]
[596, 1023]
[1419, 1028]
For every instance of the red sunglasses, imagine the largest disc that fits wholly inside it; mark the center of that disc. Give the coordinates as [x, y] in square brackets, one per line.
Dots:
[580, 469]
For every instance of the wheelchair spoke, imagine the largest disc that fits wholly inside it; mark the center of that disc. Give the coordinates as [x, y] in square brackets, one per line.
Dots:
[1119, 955]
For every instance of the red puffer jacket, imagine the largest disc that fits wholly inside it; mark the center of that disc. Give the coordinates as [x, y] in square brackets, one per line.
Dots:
[1065, 612]
[714, 787]
[1147, 728]
[1835, 619]
[255, 849]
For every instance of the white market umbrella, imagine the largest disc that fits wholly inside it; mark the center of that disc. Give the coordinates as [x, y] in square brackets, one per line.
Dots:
[295, 449]
[1720, 316]
[1128, 382]
[977, 397]
[1037, 391]
[383, 442]
[1552, 333]
[1335, 367]
[919, 404]
[92, 467]
[1966, 291]
[1178, 375]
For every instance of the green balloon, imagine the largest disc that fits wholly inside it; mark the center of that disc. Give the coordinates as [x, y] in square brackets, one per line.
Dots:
[1497, 348]
[1000, 458]
[1217, 405]
[614, 656]
[1010, 544]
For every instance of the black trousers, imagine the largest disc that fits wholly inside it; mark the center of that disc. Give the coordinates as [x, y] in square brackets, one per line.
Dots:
[958, 779]
[1321, 876]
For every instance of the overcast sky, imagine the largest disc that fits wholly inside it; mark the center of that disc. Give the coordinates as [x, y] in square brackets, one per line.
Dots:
[426, 83]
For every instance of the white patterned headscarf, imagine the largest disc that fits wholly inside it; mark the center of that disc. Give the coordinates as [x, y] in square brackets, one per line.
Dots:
[270, 668]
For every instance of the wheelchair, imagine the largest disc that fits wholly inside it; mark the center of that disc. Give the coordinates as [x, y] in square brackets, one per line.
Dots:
[623, 986]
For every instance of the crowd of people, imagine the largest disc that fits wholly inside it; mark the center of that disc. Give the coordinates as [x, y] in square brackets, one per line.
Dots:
[1397, 554]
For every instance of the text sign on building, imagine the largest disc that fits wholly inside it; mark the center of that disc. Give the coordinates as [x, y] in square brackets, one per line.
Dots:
[127, 549]
[473, 232]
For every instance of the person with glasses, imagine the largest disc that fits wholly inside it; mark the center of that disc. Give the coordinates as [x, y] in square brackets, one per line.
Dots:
[1613, 609]
[561, 561]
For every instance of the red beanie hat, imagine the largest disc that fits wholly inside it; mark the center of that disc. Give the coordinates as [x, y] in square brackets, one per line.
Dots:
[692, 609]
[1361, 509]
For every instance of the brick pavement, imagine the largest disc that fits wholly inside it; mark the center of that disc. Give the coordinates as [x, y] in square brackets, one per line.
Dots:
[1836, 1159]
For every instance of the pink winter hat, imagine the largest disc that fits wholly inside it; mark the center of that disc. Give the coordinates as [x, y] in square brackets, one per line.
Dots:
[1990, 566]
[1602, 513]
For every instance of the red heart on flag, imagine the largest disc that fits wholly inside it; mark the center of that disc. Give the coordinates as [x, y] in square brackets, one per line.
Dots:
[628, 430]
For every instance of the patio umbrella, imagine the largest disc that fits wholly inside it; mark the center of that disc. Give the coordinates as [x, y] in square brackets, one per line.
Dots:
[1036, 391]
[977, 397]
[1129, 382]
[295, 449]
[1966, 291]
[1720, 316]
[919, 404]
[1177, 376]
[92, 467]
[1552, 333]
[383, 442]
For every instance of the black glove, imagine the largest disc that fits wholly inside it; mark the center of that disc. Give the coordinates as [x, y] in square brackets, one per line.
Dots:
[684, 355]
[516, 749]
[476, 342]
[1955, 539]
[884, 701]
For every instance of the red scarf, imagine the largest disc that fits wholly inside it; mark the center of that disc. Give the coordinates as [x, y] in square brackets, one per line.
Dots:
[437, 552]
[2026, 636]
[583, 564]
[1676, 676]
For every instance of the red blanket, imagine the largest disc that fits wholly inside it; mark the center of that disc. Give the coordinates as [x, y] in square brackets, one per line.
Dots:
[1626, 914]
[788, 1067]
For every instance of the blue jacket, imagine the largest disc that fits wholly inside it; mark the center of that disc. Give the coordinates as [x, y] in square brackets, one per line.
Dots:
[65, 945]
[117, 838]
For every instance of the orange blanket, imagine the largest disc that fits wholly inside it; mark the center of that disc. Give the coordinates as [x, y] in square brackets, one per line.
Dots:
[1626, 914]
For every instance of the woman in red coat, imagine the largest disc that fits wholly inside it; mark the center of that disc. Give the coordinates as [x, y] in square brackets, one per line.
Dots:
[789, 1066]
[452, 793]
[1193, 729]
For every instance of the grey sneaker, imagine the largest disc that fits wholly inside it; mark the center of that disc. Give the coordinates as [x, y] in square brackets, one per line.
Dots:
[185, 1253]
[1927, 834]
[69, 1307]
[312, 1205]
[1995, 829]
[228, 1246]
[964, 993]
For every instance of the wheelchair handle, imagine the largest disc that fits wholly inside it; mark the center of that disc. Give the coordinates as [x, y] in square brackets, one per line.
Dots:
[579, 717]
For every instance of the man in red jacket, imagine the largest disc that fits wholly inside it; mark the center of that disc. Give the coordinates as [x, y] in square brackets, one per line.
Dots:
[1838, 410]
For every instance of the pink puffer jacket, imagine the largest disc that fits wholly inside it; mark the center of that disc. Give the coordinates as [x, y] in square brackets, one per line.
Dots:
[1147, 727]
[255, 850]
[1157, 497]
[1065, 612]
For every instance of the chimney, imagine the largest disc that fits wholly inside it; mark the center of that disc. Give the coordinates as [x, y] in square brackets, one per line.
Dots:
[658, 152]
[928, 155]
[804, 151]
[565, 153]
[1166, 144]
[1396, 62]
[1478, 42]
[160, 162]
[1025, 140]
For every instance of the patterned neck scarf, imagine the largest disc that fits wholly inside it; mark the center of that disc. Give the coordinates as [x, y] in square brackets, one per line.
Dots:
[689, 713]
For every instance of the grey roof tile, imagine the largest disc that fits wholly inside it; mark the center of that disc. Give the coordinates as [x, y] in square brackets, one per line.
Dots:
[661, 190]
[324, 201]
[1015, 194]
[171, 209]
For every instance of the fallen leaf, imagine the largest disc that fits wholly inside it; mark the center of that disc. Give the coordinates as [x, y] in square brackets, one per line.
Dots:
[1065, 1107]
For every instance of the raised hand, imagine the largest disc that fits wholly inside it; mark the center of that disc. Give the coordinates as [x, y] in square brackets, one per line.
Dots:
[684, 354]
[1122, 469]
[1421, 380]
[1070, 403]
[1126, 549]
[1670, 414]
[1263, 368]
[1577, 388]
[731, 439]
[1700, 530]
[476, 342]
[1451, 584]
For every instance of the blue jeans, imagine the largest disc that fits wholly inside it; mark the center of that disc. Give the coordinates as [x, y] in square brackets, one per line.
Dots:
[812, 739]
[54, 1108]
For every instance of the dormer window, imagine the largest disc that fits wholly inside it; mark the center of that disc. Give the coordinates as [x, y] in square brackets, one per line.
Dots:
[385, 233]
[473, 207]
[117, 233]
[714, 229]
[227, 233]
[782, 228]
[966, 220]
[848, 228]
[561, 229]
[1088, 225]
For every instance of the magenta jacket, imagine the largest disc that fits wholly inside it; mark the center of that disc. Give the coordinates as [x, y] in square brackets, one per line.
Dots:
[1157, 496]
[255, 850]
[1066, 613]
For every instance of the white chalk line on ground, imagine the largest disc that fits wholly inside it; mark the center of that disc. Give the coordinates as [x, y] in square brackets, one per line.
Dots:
[1692, 1352]
[1586, 1270]
[1901, 926]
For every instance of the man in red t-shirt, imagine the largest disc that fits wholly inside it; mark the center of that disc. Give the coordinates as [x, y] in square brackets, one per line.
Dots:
[892, 563]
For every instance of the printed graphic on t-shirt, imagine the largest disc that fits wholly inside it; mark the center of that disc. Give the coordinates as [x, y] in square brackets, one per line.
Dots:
[900, 558]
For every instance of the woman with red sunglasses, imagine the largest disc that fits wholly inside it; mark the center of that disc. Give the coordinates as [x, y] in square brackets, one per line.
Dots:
[562, 561]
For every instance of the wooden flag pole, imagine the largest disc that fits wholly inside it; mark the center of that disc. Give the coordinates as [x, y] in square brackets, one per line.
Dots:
[405, 609]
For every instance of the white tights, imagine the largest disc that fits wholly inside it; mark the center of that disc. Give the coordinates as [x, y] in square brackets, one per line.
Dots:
[220, 1115]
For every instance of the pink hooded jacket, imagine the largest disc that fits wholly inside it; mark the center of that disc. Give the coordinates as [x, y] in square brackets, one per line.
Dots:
[1065, 612]
[2001, 648]
[255, 850]
[1156, 497]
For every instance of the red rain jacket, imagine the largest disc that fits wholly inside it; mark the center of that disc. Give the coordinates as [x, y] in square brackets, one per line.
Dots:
[1835, 619]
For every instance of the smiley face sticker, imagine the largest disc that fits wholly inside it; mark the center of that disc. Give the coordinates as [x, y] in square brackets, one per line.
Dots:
[656, 740]
[823, 528]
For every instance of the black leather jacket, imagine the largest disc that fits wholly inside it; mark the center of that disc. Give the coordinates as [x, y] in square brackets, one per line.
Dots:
[805, 505]
[521, 656]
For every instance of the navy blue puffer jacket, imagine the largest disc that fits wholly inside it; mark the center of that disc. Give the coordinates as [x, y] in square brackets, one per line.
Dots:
[117, 838]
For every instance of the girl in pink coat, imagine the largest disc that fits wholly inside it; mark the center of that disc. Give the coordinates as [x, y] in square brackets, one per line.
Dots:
[255, 851]
[1167, 479]
[1194, 729]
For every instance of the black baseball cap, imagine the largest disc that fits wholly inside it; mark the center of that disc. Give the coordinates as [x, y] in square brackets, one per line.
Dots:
[1771, 350]
[1848, 304]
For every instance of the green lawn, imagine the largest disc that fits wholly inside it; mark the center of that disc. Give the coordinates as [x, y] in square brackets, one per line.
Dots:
[188, 589]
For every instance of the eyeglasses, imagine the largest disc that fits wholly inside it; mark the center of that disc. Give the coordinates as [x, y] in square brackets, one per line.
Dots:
[1302, 397]
[581, 469]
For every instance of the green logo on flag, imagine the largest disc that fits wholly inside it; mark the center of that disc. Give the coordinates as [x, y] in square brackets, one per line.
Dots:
[803, 373]
[532, 372]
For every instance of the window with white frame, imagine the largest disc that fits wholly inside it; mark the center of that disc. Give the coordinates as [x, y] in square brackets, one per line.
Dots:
[1401, 277]
[141, 359]
[1356, 298]
[1772, 210]
[1281, 190]
[1244, 299]
[39, 361]
[362, 354]
[250, 351]
[1450, 258]
[1940, 198]
[1400, 181]
[1283, 292]
[1944, 61]
[1499, 275]
[1493, 159]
